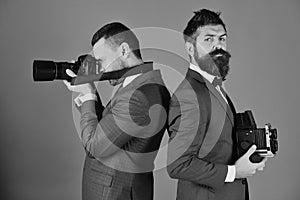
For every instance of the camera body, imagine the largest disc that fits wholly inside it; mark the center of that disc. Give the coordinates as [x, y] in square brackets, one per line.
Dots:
[248, 134]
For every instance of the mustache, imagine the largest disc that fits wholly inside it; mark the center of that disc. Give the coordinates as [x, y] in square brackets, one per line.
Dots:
[215, 63]
[221, 52]
[220, 59]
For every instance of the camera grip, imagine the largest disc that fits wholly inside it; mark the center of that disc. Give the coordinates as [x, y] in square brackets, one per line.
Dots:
[244, 146]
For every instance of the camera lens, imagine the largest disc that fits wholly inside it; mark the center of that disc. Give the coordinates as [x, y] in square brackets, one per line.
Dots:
[274, 146]
[44, 70]
[273, 133]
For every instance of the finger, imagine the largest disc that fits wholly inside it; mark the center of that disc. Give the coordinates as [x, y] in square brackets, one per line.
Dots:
[263, 162]
[67, 84]
[251, 150]
[70, 73]
[253, 172]
[260, 169]
[260, 164]
[265, 159]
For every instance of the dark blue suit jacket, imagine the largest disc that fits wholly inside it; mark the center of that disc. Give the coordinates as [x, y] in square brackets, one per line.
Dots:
[122, 146]
[201, 127]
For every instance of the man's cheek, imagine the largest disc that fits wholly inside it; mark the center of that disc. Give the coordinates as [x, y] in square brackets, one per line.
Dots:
[204, 49]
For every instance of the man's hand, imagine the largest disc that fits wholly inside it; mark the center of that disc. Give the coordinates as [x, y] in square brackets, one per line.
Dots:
[83, 89]
[245, 168]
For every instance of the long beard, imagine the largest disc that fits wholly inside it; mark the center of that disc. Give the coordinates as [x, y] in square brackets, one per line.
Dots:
[215, 63]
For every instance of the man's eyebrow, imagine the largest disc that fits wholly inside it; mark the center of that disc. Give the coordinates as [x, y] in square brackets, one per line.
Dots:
[212, 35]
[209, 35]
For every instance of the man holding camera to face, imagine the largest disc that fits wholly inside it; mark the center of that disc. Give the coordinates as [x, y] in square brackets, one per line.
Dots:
[121, 139]
[202, 148]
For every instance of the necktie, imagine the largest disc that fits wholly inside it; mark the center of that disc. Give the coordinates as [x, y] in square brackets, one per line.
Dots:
[117, 89]
[217, 82]
[114, 92]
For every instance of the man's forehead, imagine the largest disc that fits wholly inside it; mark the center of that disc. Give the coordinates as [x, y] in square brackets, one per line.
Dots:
[211, 29]
[99, 43]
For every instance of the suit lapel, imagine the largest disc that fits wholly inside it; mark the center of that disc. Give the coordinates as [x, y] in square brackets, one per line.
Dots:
[225, 106]
[231, 105]
[143, 79]
[114, 95]
[214, 92]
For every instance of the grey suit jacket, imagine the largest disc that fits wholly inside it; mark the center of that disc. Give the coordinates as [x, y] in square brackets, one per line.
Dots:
[122, 146]
[201, 127]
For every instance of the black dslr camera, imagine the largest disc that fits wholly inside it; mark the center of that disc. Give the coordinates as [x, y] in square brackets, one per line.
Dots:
[46, 70]
[248, 134]
[87, 69]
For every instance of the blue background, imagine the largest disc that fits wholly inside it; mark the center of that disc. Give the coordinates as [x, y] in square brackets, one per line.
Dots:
[41, 154]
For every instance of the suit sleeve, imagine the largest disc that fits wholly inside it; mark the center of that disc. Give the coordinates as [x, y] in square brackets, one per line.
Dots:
[127, 118]
[188, 122]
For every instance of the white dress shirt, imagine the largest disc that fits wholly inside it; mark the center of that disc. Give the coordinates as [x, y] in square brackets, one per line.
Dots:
[208, 77]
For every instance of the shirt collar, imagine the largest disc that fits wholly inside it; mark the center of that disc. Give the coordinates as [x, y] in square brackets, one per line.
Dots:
[140, 69]
[206, 75]
[129, 79]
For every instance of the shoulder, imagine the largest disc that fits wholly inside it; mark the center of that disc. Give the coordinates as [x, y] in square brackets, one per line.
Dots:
[191, 90]
[149, 85]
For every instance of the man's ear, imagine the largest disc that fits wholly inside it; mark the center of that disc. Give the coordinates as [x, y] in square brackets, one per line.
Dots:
[190, 49]
[124, 50]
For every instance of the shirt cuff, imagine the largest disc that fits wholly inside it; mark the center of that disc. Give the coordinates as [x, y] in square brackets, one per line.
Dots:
[83, 98]
[230, 174]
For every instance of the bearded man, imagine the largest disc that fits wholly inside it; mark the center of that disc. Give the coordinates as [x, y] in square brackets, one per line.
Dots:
[201, 125]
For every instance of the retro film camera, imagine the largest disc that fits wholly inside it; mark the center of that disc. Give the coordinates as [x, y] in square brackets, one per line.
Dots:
[248, 134]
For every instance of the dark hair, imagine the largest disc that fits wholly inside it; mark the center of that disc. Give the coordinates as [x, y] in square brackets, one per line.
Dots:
[201, 18]
[117, 33]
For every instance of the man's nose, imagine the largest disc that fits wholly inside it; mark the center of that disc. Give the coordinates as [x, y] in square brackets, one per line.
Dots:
[218, 45]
